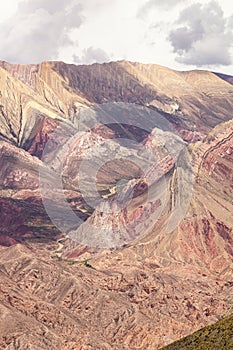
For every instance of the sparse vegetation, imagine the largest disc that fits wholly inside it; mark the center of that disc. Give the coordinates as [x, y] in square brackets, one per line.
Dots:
[218, 336]
[86, 264]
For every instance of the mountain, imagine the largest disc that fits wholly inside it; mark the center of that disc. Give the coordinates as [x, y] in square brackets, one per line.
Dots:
[225, 77]
[115, 204]
[196, 100]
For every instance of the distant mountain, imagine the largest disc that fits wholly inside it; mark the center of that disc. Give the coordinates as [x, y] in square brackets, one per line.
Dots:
[225, 77]
[193, 101]
[115, 204]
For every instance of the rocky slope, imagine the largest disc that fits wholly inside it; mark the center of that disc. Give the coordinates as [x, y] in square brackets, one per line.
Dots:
[56, 305]
[143, 156]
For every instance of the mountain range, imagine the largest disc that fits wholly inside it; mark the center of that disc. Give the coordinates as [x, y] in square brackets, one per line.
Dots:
[116, 204]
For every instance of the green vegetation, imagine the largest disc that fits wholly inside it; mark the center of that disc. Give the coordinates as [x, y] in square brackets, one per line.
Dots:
[86, 264]
[218, 336]
[75, 262]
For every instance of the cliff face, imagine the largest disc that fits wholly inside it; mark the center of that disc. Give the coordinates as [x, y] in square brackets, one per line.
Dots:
[142, 157]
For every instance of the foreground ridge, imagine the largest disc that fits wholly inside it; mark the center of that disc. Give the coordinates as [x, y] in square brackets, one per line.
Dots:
[215, 337]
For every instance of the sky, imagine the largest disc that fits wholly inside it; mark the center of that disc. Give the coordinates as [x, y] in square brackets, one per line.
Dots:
[180, 34]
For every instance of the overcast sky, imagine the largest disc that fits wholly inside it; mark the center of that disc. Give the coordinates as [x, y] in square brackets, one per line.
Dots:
[181, 34]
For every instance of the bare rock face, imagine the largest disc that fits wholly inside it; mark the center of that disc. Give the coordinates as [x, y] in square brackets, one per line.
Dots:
[18, 169]
[142, 157]
[201, 232]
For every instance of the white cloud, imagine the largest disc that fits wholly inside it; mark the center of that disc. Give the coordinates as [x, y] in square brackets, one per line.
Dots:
[38, 30]
[204, 36]
[91, 55]
[159, 5]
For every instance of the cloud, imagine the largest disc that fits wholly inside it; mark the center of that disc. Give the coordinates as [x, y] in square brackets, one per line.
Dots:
[203, 36]
[38, 30]
[27, 6]
[160, 4]
[92, 55]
